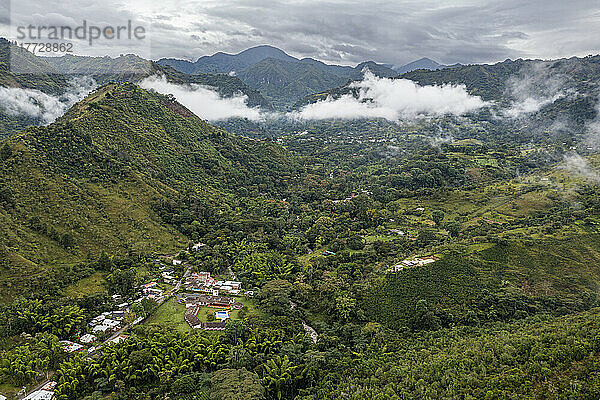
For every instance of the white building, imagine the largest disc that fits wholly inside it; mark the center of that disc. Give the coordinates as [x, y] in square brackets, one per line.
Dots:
[40, 395]
[234, 284]
[118, 339]
[106, 326]
[69, 346]
[87, 338]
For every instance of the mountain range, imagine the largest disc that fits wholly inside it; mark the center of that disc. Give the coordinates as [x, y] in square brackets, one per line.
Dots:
[564, 89]
[42, 75]
[281, 78]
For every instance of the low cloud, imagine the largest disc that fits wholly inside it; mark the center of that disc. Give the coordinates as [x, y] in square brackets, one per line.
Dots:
[535, 86]
[393, 99]
[203, 101]
[592, 130]
[33, 103]
[580, 167]
[30, 103]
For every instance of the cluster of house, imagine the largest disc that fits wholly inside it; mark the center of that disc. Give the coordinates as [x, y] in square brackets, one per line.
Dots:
[46, 392]
[193, 302]
[151, 291]
[168, 273]
[203, 282]
[109, 321]
[70, 347]
[415, 262]
[202, 300]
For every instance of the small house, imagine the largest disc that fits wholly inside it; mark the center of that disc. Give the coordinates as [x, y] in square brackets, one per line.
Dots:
[87, 338]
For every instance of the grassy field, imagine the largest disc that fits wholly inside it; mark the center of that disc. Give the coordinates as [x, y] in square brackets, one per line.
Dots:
[170, 314]
[90, 285]
[8, 390]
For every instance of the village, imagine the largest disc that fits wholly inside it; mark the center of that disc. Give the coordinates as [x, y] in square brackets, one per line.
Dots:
[203, 290]
[197, 291]
[204, 302]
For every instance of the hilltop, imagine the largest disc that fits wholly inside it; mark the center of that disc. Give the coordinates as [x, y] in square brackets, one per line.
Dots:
[50, 90]
[89, 181]
[131, 68]
[224, 63]
[422, 63]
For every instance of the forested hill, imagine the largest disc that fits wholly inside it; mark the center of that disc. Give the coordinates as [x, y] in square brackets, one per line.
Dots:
[92, 180]
[57, 89]
[281, 78]
[574, 82]
[42, 75]
[489, 81]
[283, 82]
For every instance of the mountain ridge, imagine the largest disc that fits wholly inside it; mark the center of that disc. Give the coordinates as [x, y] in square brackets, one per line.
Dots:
[295, 77]
[422, 63]
[97, 172]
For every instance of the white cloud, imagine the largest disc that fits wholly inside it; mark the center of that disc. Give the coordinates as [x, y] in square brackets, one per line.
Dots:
[204, 102]
[31, 103]
[393, 99]
[535, 86]
[579, 166]
[530, 105]
[36, 104]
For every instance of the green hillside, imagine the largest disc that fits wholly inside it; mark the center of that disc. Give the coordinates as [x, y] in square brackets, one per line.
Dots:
[283, 82]
[503, 282]
[88, 182]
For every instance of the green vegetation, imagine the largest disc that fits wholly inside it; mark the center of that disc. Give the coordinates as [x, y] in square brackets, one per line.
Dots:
[283, 82]
[170, 316]
[72, 193]
[93, 284]
[324, 222]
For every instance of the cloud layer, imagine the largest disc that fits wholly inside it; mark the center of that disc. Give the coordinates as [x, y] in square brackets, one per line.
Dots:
[580, 167]
[203, 101]
[36, 104]
[393, 99]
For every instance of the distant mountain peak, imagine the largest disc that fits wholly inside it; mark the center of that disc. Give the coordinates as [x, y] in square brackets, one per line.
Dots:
[380, 70]
[422, 63]
[225, 63]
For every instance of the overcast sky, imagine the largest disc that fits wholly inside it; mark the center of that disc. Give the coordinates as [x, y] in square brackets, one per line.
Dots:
[337, 31]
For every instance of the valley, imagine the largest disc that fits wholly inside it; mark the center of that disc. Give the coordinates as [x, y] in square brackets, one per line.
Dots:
[376, 232]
